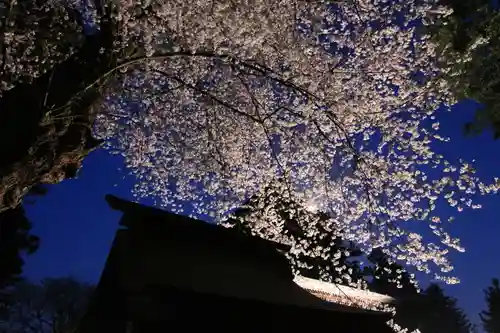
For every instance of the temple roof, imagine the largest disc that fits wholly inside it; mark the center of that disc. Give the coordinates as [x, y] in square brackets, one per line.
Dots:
[153, 222]
[345, 295]
[161, 261]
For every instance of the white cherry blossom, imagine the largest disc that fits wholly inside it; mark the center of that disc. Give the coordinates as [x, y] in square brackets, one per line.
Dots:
[335, 98]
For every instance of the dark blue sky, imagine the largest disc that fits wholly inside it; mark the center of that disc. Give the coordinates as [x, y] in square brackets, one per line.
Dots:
[76, 226]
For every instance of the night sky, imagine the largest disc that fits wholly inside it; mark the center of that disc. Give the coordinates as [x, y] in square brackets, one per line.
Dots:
[76, 226]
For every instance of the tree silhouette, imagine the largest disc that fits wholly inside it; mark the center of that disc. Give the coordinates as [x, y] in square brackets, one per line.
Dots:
[16, 239]
[440, 313]
[490, 317]
[55, 305]
[429, 310]
[467, 43]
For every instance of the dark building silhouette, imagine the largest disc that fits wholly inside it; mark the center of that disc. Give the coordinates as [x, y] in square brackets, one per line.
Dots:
[170, 273]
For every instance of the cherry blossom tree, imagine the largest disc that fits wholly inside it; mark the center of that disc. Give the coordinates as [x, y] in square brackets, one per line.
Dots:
[210, 101]
[338, 99]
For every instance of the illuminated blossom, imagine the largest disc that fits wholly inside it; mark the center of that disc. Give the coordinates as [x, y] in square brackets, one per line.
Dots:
[227, 96]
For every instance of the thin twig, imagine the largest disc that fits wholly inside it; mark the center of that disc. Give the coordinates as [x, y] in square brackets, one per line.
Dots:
[49, 84]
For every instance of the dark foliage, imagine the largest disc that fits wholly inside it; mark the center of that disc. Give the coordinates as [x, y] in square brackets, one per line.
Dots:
[15, 239]
[490, 318]
[54, 305]
[476, 79]
[49, 118]
[441, 313]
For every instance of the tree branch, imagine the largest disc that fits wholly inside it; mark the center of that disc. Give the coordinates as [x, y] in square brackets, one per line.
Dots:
[206, 93]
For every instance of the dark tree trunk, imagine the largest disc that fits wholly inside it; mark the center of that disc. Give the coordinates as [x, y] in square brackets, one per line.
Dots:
[45, 126]
[45, 130]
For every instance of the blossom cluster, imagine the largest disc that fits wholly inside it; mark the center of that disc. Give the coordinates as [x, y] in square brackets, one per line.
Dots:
[35, 36]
